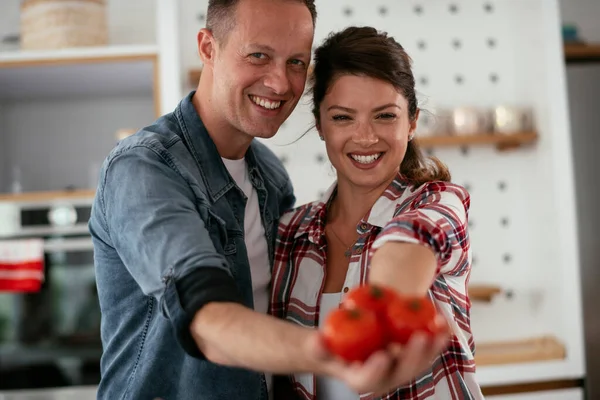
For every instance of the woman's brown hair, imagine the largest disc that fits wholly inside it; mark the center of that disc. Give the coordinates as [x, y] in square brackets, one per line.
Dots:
[364, 51]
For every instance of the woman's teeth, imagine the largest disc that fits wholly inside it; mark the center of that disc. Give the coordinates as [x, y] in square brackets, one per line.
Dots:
[269, 105]
[365, 159]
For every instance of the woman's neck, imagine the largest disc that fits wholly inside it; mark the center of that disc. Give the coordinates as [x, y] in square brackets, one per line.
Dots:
[352, 203]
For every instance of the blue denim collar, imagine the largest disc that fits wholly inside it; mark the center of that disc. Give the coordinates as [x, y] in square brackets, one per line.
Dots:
[203, 149]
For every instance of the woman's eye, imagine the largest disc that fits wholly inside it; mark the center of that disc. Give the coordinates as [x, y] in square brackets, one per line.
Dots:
[258, 55]
[387, 116]
[340, 117]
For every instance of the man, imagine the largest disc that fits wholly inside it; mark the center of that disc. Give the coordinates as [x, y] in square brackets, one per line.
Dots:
[184, 221]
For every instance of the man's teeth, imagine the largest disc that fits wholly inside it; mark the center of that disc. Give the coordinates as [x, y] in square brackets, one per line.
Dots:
[271, 105]
[365, 159]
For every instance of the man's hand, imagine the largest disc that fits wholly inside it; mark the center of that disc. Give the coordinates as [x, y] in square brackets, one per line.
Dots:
[385, 370]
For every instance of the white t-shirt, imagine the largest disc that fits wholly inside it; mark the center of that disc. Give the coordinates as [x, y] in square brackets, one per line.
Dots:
[254, 236]
[331, 388]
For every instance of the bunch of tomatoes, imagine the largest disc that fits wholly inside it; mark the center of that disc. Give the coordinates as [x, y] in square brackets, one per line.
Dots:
[371, 317]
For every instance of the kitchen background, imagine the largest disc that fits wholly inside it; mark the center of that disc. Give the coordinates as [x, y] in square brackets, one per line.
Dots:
[509, 87]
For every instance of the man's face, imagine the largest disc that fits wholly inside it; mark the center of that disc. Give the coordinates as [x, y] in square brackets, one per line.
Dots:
[260, 68]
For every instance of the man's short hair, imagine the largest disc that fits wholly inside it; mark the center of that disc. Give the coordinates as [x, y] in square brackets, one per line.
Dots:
[220, 16]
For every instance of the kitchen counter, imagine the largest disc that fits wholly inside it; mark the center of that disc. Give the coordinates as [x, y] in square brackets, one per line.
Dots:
[71, 393]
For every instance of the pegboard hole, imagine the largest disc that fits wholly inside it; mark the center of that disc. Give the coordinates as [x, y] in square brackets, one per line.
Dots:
[423, 81]
[491, 42]
[453, 8]
[502, 186]
[494, 78]
[348, 11]
[201, 17]
[464, 150]
[422, 45]
[467, 187]
[471, 224]
[504, 222]
[383, 11]
[284, 160]
[418, 9]
[507, 258]
[488, 7]
[456, 44]
[459, 79]
[320, 158]
[429, 152]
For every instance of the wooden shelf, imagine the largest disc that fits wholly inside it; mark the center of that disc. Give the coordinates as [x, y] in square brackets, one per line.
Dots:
[94, 71]
[582, 52]
[544, 348]
[500, 141]
[483, 293]
[47, 196]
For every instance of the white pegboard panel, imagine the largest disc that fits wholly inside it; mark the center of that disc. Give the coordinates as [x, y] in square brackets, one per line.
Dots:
[472, 53]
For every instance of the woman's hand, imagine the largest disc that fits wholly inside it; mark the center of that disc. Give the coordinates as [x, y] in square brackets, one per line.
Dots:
[385, 370]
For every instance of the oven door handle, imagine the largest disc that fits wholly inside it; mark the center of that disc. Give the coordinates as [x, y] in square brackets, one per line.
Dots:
[75, 244]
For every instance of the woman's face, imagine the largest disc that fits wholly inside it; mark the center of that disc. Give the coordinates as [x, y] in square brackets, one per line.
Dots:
[366, 128]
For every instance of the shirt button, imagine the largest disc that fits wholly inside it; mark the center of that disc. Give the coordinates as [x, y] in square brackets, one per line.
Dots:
[346, 290]
[363, 226]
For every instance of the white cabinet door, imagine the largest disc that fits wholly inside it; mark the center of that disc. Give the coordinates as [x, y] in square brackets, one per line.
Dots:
[566, 394]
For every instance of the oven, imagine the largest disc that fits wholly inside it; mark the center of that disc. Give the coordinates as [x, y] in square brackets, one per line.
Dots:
[51, 337]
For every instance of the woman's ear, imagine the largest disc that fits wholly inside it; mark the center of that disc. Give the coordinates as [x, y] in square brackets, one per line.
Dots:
[318, 126]
[413, 123]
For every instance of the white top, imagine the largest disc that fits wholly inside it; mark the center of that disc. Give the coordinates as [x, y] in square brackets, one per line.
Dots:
[329, 388]
[256, 243]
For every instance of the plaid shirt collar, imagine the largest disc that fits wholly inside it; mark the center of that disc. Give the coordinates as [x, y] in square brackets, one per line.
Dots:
[313, 222]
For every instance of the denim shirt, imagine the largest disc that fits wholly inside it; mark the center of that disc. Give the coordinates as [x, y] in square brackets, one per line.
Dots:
[166, 208]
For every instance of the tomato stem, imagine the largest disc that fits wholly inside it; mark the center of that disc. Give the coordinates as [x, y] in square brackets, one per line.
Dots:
[354, 313]
[376, 292]
[414, 305]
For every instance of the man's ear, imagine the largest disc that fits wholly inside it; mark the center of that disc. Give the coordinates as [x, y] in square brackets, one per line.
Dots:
[206, 46]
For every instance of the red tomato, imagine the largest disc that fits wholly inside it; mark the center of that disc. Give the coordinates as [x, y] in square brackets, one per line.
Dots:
[353, 335]
[407, 315]
[370, 297]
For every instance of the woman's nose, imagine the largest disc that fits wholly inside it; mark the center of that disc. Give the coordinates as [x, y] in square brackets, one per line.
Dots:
[365, 135]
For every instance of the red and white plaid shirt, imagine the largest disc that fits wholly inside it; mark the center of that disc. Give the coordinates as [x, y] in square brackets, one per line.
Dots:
[435, 215]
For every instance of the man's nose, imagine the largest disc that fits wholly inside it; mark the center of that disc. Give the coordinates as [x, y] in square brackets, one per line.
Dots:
[277, 80]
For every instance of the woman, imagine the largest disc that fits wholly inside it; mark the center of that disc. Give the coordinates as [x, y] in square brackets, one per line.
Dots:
[390, 218]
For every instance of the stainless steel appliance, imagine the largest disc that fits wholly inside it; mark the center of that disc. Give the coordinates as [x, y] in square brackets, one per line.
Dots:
[51, 338]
